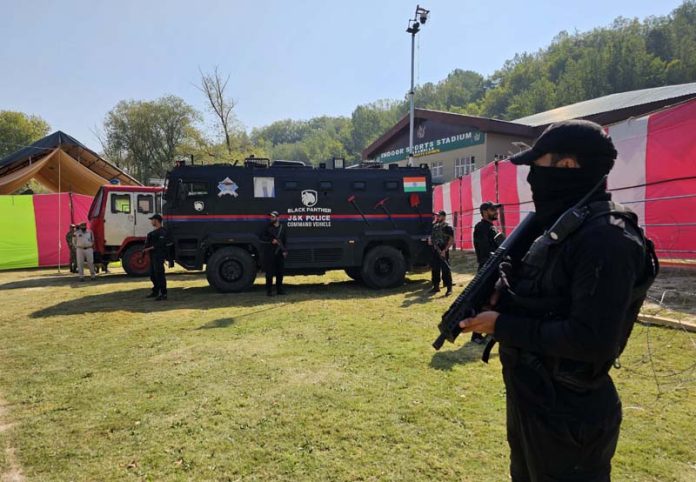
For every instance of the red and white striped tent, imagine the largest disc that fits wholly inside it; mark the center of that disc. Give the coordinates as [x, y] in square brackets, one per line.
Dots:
[655, 175]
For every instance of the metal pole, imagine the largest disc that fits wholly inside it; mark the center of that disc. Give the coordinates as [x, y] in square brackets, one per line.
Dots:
[412, 108]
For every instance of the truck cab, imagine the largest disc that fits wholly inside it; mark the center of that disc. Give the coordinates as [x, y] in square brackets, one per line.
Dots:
[371, 222]
[119, 220]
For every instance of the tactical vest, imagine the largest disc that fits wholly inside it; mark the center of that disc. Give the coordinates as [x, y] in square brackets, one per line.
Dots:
[438, 235]
[539, 289]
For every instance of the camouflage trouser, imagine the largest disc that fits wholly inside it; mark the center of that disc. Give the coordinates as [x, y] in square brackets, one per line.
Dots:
[73, 261]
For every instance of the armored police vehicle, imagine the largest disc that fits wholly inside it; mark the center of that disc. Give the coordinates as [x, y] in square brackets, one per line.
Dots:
[371, 222]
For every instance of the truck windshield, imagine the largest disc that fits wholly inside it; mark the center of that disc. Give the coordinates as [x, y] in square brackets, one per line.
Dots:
[95, 208]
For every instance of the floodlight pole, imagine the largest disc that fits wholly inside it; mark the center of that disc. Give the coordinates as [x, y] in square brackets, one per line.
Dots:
[413, 28]
[412, 110]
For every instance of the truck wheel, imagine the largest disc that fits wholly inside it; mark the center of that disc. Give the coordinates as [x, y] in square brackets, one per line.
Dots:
[383, 267]
[134, 262]
[230, 270]
[354, 273]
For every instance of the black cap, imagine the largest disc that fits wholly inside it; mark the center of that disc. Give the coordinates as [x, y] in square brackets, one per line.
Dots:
[582, 138]
[440, 213]
[489, 205]
[273, 213]
[157, 217]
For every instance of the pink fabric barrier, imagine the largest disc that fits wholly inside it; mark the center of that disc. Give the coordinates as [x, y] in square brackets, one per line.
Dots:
[54, 213]
[655, 175]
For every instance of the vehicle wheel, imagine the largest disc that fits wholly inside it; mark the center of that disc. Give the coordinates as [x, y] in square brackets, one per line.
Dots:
[383, 267]
[230, 270]
[354, 273]
[134, 262]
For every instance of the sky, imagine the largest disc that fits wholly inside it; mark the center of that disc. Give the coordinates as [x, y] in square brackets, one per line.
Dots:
[71, 62]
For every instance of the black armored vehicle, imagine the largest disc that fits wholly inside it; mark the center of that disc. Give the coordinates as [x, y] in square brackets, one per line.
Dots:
[371, 222]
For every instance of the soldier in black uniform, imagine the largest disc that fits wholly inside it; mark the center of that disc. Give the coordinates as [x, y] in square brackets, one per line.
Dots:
[566, 311]
[275, 240]
[441, 240]
[156, 246]
[487, 238]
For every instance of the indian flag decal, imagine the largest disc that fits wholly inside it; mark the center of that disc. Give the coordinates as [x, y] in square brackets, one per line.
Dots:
[414, 184]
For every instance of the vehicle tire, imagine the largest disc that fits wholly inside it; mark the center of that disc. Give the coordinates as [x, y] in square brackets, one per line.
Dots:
[134, 262]
[230, 270]
[383, 267]
[354, 273]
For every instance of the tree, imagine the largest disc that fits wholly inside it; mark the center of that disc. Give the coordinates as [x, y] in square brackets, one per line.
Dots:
[372, 120]
[146, 136]
[213, 86]
[18, 130]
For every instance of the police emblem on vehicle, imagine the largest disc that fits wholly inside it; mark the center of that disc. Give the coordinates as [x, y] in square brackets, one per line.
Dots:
[310, 198]
[227, 186]
[199, 206]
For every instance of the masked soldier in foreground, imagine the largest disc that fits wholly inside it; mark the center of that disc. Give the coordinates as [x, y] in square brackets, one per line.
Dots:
[441, 240]
[565, 314]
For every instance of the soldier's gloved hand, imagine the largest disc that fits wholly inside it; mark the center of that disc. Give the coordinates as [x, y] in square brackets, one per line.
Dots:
[275, 241]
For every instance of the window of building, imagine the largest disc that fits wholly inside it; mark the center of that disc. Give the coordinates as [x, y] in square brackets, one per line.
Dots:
[121, 203]
[464, 165]
[437, 168]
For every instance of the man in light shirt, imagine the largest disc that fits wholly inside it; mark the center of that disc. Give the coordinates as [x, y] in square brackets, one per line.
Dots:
[84, 247]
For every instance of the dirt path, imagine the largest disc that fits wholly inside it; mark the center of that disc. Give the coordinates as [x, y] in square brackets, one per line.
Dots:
[13, 472]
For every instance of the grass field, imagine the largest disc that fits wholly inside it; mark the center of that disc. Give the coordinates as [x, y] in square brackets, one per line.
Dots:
[332, 382]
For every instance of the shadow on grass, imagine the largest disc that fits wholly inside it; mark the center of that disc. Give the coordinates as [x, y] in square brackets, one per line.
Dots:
[205, 297]
[221, 323]
[70, 279]
[225, 322]
[467, 353]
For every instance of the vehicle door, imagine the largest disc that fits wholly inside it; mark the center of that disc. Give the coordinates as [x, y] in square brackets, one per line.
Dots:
[119, 219]
[145, 204]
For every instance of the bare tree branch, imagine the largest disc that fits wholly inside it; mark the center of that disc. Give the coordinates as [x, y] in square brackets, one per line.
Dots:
[213, 87]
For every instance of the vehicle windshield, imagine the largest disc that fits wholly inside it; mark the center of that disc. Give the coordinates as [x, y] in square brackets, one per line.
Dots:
[95, 208]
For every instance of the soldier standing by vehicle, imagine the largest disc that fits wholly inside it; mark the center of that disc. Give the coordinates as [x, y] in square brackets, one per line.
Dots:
[275, 239]
[487, 238]
[441, 240]
[70, 242]
[84, 250]
[156, 246]
[567, 311]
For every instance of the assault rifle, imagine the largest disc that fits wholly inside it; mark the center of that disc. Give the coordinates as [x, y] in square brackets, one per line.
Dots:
[478, 293]
[280, 246]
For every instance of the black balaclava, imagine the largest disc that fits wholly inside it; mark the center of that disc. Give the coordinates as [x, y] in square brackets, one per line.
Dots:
[556, 189]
